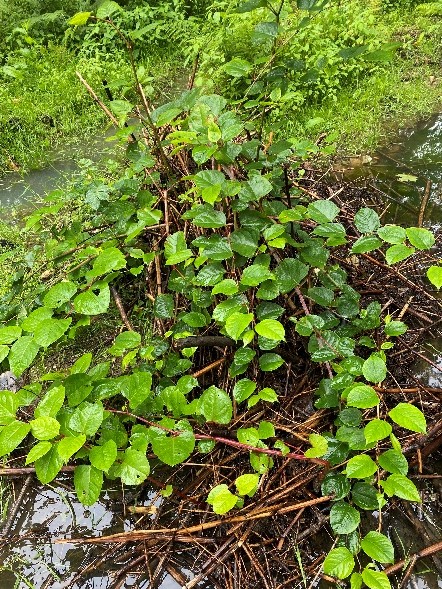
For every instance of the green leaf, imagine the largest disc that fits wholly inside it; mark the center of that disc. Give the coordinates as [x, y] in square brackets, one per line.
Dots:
[375, 579]
[134, 468]
[209, 218]
[420, 238]
[87, 418]
[45, 428]
[174, 449]
[11, 436]
[136, 387]
[216, 405]
[210, 182]
[88, 482]
[102, 457]
[48, 466]
[319, 446]
[409, 417]
[434, 275]
[88, 303]
[356, 581]
[22, 354]
[221, 499]
[244, 241]
[126, 340]
[397, 253]
[175, 249]
[364, 496]
[59, 294]
[367, 220]
[109, 260]
[79, 19]
[38, 451]
[339, 563]
[70, 445]
[289, 274]
[365, 244]
[51, 330]
[363, 397]
[247, 484]
[322, 211]
[243, 389]
[9, 334]
[374, 369]
[376, 429]
[269, 362]
[226, 287]
[392, 234]
[255, 274]
[237, 323]
[164, 306]
[9, 404]
[344, 518]
[360, 467]
[335, 484]
[34, 319]
[395, 328]
[238, 68]
[399, 485]
[378, 547]
[271, 329]
[393, 461]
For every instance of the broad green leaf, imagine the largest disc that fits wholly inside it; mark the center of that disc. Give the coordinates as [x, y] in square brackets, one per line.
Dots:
[237, 323]
[59, 294]
[395, 328]
[356, 581]
[126, 340]
[51, 330]
[4, 351]
[12, 435]
[393, 461]
[38, 451]
[243, 389]
[289, 274]
[34, 319]
[238, 68]
[9, 334]
[88, 482]
[367, 220]
[270, 329]
[434, 275]
[376, 429]
[335, 484]
[409, 417]
[392, 234]
[164, 306]
[365, 244]
[88, 303]
[397, 253]
[401, 486]
[81, 364]
[226, 287]
[210, 182]
[22, 354]
[136, 387]
[79, 19]
[109, 260]
[102, 457]
[364, 496]
[44, 428]
[374, 369]
[70, 445]
[209, 218]
[134, 468]
[360, 467]
[339, 563]
[378, 547]
[244, 241]
[9, 404]
[87, 418]
[269, 362]
[344, 518]
[375, 579]
[175, 249]
[221, 499]
[322, 211]
[216, 405]
[48, 466]
[266, 430]
[247, 484]
[255, 274]
[420, 238]
[173, 449]
[319, 446]
[363, 397]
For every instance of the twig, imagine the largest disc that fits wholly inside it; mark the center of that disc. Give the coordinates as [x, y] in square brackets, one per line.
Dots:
[8, 523]
[204, 341]
[97, 100]
[428, 551]
[424, 203]
[120, 308]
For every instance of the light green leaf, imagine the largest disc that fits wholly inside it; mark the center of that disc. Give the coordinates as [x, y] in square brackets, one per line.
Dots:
[271, 329]
[409, 417]
[88, 482]
[376, 429]
[38, 451]
[59, 294]
[319, 446]
[22, 354]
[289, 274]
[322, 211]
[102, 457]
[87, 418]
[9, 404]
[392, 234]
[226, 287]
[255, 274]
[70, 445]
[364, 244]
[88, 303]
[11, 436]
[216, 405]
[34, 319]
[238, 68]
[269, 362]
[420, 238]
[221, 499]
[48, 466]
[434, 275]
[79, 19]
[395, 328]
[397, 253]
[126, 340]
[363, 397]
[109, 260]
[45, 428]
[136, 387]
[367, 220]
[247, 484]
[51, 330]
[339, 563]
[344, 518]
[243, 389]
[174, 449]
[401, 486]
[374, 369]
[393, 461]
[9, 334]
[237, 323]
[360, 467]
[375, 579]
[378, 547]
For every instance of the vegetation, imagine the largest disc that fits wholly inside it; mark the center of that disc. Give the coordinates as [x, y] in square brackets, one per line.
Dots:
[208, 235]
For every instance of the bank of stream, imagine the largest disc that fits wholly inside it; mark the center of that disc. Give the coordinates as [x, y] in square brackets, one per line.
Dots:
[408, 176]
